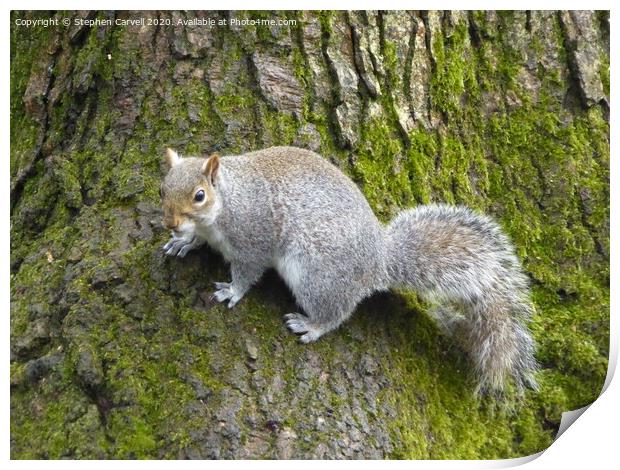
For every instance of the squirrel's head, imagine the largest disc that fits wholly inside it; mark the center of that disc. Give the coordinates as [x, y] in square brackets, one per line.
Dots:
[188, 192]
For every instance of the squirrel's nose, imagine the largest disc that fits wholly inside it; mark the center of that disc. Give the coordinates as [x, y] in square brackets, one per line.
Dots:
[171, 223]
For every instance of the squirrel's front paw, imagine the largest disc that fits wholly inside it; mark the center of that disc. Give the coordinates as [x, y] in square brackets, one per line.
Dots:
[224, 292]
[179, 246]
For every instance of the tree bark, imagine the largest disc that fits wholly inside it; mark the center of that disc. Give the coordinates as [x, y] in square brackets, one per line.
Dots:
[117, 351]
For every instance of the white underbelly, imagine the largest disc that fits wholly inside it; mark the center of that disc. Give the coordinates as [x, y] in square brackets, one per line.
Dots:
[216, 240]
[289, 268]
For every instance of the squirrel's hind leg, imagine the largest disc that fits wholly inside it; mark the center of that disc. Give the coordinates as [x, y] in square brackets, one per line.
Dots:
[324, 312]
[301, 325]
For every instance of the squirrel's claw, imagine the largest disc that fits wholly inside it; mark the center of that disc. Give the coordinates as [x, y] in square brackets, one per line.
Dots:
[226, 292]
[180, 246]
[300, 325]
[173, 246]
[184, 250]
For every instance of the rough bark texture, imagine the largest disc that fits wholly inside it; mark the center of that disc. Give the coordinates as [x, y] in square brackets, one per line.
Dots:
[116, 351]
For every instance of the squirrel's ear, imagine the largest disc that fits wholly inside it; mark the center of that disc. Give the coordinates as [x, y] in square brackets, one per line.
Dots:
[210, 167]
[172, 158]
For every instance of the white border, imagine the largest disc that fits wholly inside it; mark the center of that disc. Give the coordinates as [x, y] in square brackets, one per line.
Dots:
[312, 5]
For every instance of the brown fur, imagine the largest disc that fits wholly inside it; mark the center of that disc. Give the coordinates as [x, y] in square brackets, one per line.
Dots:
[177, 201]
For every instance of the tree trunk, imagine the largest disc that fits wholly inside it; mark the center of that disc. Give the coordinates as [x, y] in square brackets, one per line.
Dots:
[117, 351]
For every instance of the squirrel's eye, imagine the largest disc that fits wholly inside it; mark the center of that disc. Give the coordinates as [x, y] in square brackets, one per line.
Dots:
[199, 196]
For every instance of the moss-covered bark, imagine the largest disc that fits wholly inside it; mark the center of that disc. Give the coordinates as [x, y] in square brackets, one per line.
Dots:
[117, 351]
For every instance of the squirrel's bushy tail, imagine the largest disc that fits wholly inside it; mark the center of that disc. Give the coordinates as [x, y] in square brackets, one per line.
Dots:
[463, 263]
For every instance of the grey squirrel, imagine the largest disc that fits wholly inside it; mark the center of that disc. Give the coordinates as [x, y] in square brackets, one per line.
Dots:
[288, 208]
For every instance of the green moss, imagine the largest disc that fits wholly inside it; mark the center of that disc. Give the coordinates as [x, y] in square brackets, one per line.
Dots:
[452, 70]
[604, 73]
[325, 19]
[135, 439]
[54, 420]
[17, 373]
[278, 128]
[384, 183]
[67, 176]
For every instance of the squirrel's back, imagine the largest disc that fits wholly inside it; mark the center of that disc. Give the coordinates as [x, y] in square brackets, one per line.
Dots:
[320, 219]
[300, 179]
